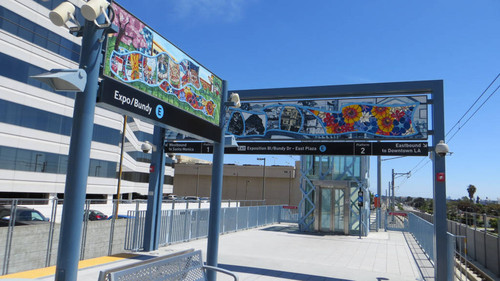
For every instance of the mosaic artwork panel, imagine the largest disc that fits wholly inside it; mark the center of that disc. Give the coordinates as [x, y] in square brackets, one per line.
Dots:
[138, 56]
[347, 120]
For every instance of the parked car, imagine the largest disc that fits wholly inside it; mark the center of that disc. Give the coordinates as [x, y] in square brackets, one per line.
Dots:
[24, 216]
[121, 217]
[171, 197]
[191, 198]
[94, 215]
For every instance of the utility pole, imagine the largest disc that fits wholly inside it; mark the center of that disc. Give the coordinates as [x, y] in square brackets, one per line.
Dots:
[263, 178]
[389, 197]
[392, 184]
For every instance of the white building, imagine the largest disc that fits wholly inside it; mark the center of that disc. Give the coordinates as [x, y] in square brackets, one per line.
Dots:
[35, 122]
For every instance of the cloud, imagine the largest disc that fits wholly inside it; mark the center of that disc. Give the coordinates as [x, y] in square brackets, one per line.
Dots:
[221, 10]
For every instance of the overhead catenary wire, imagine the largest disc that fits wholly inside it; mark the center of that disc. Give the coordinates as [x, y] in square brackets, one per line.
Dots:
[474, 113]
[472, 106]
[416, 169]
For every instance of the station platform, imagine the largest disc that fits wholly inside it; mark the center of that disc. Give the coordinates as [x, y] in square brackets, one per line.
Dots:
[281, 252]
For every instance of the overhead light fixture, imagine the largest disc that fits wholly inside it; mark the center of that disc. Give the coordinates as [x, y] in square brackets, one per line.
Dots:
[234, 100]
[62, 14]
[92, 9]
[230, 141]
[68, 80]
[146, 147]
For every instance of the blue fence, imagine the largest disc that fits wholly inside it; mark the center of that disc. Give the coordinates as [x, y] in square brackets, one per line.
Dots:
[189, 224]
[396, 221]
[423, 231]
[289, 214]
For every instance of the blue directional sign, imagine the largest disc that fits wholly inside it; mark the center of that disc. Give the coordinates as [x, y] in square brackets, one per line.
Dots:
[308, 148]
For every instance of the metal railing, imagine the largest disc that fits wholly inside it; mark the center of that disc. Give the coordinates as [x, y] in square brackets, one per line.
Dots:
[289, 214]
[26, 247]
[480, 245]
[397, 221]
[189, 224]
[423, 231]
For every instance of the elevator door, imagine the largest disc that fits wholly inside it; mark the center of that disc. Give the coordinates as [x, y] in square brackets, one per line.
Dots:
[334, 211]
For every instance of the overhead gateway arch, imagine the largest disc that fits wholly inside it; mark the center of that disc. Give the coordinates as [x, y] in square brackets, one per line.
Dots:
[366, 113]
[358, 119]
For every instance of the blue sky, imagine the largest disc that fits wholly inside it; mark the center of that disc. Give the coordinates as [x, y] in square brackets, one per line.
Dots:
[271, 44]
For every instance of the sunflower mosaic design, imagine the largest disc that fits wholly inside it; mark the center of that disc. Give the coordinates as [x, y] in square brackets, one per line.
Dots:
[367, 118]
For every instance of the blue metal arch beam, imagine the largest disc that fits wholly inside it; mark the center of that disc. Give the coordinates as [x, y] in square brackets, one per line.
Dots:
[349, 90]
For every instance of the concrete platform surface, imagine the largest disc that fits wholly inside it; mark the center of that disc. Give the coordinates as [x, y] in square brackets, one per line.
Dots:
[280, 252]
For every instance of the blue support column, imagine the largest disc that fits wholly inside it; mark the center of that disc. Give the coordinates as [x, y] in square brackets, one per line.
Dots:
[155, 191]
[79, 157]
[440, 225]
[216, 193]
[379, 190]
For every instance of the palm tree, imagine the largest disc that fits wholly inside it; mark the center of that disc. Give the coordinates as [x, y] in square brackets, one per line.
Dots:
[471, 189]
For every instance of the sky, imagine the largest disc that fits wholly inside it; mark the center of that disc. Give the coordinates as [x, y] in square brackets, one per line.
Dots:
[256, 44]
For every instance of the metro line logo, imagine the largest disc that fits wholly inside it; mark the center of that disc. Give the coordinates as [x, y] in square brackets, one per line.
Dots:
[159, 111]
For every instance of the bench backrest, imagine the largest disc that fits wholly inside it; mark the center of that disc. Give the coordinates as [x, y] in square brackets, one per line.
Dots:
[186, 265]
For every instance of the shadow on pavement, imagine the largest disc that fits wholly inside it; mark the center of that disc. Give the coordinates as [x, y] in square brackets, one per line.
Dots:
[290, 229]
[278, 273]
[423, 261]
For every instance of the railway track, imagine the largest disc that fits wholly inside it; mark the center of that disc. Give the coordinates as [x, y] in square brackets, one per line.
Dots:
[465, 270]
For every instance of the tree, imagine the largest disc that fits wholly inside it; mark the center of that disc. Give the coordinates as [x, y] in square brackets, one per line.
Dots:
[471, 190]
[131, 30]
[465, 205]
[418, 202]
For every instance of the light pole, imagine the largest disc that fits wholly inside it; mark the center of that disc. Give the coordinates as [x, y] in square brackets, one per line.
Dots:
[85, 82]
[246, 190]
[237, 176]
[289, 186]
[197, 178]
[263, 178]
[120, 168]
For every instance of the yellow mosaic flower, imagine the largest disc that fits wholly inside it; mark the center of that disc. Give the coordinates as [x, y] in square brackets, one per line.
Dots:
[380, 111]
[352, 113]
[386, 123]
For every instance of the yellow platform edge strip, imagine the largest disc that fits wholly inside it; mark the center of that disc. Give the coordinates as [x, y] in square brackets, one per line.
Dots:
[51, 270]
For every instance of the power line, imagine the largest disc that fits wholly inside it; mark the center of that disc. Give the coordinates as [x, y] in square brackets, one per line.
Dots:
[397, 157]
[474, 113]
[412, 173]
[416, 169]
[423, 158]
[425, 164]
[472, 106]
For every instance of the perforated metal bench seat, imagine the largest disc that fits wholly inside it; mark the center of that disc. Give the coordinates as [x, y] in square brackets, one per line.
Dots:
[186, 265]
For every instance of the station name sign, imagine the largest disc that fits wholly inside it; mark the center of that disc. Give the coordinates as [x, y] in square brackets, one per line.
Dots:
[146, 76]
[308, 148]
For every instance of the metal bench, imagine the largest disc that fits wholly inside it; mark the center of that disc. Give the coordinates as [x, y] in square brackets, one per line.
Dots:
[186, 265]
